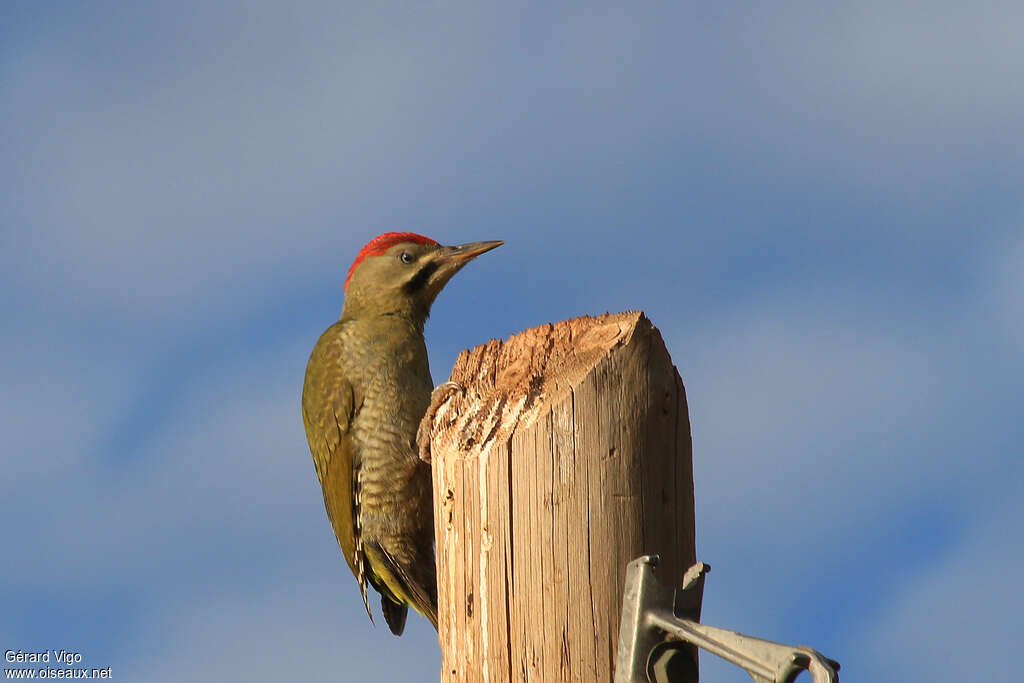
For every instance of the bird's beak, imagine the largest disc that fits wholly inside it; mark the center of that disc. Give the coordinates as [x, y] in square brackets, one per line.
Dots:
[443, 265]
[466, 252]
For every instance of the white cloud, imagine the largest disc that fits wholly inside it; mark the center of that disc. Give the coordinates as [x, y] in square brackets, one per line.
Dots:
[238, 153]
[802, 413]
[295, 631]
[828, 426]
[239, 149]
[226, 465]
[961, 618]
[56, 404]
[1004, 289]
[900, 94]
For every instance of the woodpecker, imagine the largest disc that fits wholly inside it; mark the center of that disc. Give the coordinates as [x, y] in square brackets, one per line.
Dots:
[366, 390]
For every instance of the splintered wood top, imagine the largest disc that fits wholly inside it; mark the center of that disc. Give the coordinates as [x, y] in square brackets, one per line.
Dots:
[511, 382]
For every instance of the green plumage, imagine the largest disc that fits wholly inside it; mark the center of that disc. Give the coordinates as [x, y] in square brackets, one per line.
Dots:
[367, 387]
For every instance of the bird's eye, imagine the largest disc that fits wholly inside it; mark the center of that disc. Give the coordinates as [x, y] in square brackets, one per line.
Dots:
[406, 257]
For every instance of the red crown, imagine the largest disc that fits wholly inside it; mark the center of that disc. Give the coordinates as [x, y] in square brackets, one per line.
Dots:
[381, 243]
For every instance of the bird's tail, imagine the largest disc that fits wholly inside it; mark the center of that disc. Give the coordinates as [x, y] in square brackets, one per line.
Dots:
[394, 613]
[405, 590]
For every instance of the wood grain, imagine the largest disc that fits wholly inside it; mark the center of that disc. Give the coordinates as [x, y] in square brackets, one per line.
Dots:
[567, 456]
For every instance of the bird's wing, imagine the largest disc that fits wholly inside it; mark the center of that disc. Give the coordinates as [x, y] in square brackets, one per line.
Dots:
[329, 404]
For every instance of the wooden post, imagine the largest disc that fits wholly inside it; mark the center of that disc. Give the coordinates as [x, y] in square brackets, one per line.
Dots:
[567, 456]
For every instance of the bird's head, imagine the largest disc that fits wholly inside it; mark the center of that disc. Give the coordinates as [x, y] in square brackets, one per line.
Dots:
[402, 273]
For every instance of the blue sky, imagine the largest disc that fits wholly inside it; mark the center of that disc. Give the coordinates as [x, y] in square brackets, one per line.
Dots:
[818, 204]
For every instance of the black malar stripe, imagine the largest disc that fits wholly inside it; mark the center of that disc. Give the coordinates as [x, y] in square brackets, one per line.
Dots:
[419, 280]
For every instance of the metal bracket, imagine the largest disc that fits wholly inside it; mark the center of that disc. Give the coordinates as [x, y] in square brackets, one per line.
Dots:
[660, 631]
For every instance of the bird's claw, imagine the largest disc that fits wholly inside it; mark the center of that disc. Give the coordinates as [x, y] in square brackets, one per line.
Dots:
[438, 396]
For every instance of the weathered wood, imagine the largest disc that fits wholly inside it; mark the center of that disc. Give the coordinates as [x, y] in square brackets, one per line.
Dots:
[567, 456]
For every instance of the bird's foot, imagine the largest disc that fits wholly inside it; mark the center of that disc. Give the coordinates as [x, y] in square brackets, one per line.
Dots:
[437, 398]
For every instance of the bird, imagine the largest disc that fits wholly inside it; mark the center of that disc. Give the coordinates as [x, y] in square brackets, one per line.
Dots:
[367, 389]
